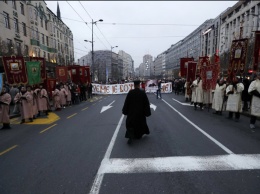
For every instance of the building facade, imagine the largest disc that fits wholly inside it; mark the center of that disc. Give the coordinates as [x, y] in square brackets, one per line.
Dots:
[128, 65]
[30, 28]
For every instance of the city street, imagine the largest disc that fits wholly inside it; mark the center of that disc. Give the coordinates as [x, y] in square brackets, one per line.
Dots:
[82, 149]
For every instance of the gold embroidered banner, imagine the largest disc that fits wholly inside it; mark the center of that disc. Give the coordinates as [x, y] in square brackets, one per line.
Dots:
[237, 60]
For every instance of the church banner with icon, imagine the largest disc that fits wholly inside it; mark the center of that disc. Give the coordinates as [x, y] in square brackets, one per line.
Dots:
[1, 81]
[43, 66]
[62, 73]
[33, 72]
[209, 72]
[15, 70]
[183, 66]
[238, 56]
[256, 65]
[191, 71]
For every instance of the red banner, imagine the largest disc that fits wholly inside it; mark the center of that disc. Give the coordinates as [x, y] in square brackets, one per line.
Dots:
[15, 70]
[183, 66]
[43, 66]
[75, 73]
[62, 74]
[237, 59]
[209, 72]
[87, 74]
[51, 84]
[191, 71]
[256, 64]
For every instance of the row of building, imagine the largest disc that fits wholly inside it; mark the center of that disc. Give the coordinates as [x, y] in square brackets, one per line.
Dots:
[30, 28]
[213, 36]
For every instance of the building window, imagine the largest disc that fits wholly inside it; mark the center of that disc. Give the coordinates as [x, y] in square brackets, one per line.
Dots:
[26, 50]
[48, 56]
[47, 40]
[22, 8]
[57, 34]
[19, 48]
[42, 38]
[44, 54]
[37, 34]
[24, 29]
[5, 1]
[58, 46]
[6, 18]
[46, 24]
[10, 46]
[16, 25]
[13, 4]
[60, 36]
[41, 23]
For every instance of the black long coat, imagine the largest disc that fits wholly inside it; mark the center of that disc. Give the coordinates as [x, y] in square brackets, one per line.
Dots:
[137, 108]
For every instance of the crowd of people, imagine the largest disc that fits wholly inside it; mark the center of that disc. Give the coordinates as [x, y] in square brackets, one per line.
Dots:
[235, 96]
[32, 102]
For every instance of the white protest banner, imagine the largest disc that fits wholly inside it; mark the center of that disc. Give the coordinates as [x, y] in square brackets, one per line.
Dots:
[125, 88]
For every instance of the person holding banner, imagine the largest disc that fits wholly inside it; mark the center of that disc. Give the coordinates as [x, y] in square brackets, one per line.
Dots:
[56, 98]
[234, 101]
[5, 100]
[198, 95]
[34, 102]
[24, 99]
[217, 102]
[63, 95]
[254, 90]
[42, 99]
[136, 108]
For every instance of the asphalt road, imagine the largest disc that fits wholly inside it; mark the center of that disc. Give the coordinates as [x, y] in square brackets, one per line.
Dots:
[85, 151]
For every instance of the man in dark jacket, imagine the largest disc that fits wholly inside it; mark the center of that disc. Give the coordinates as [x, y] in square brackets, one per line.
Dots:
[137, 108]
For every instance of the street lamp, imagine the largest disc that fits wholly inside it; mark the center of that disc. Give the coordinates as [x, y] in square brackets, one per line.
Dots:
[92, 42]
[111, 59]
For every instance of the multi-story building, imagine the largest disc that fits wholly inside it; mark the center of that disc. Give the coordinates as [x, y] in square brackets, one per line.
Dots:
[128, 65]
[239, 21]
[147, 61]
[108, 66]
[159, 65]
[30, 28]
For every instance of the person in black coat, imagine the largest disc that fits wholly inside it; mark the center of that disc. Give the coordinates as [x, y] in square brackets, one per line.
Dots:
[137, 108]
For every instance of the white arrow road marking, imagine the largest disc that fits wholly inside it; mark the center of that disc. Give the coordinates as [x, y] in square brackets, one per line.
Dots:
[153, 106]
[104, 108]
[185, 104]
[181, 164]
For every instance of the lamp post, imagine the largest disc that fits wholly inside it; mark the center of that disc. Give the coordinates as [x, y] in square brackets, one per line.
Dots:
[111, 59]
[92, 42]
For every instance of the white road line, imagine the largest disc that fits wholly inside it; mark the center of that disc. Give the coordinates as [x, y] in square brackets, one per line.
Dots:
[99, 176]
[182, 164]
[203, 132]
[185, 104]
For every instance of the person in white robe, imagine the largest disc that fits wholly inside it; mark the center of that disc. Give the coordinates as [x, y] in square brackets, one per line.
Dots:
[234, 101]
[198, 96]
[254, 90]
[218, 97]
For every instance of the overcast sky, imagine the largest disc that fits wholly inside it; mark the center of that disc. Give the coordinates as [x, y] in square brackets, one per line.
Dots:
[136, 27]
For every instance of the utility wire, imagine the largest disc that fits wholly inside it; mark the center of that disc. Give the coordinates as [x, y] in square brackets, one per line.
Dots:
[96, 25]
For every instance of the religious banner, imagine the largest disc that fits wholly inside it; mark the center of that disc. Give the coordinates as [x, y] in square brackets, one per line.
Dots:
[33, 72]
[43, 66]
[237, 59]
[61, 73]
[183, 66]
[51, 84]
[191, 71]
[15, 70]
[87, 74]
[75, 73]
[256, 64]
[209, 73]
[123, 88]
